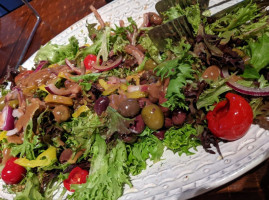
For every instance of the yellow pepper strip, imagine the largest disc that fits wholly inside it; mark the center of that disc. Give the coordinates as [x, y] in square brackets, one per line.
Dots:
[3, 135]
[13, 103]
[87, 45]
[44, 159]
[136, 78]
[53, 65]
[111, 89]
[103, 83]
[123, 87]
[29, 90]
[80, 110]
[50, 98]
[136, 94]
[66, 75]
[42, 87]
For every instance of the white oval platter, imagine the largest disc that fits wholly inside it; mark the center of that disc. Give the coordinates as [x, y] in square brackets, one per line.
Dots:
[174, 177]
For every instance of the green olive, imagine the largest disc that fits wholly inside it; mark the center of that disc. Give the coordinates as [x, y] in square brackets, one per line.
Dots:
[153, 116]
[150, 65]
[2, 103]
[13, 103]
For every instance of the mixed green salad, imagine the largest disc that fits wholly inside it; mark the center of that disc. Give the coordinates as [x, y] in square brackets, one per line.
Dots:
[90, 116]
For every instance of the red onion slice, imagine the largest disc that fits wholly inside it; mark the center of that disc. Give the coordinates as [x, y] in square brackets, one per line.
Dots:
[12, 132]
[41, 64]
[74, 89]
[72, 67]
[242, 89]
[135, 52]
[146, 22]
[108, 66]
[17, 113]
[7, 119]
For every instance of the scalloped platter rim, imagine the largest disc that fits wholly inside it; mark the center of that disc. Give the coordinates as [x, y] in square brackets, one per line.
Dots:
[174, 177]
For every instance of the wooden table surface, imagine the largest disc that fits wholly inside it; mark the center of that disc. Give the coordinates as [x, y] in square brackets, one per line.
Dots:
[56, 16]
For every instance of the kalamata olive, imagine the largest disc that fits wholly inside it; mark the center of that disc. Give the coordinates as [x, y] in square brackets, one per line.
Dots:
[168, 122]
[144, 102]
[150, 64]
[101, 105]
[153, 116]
[129, 108]
[178, 117]
[65, 155]
[129, 138]
[155, 19]
[211, 73]
[153, 99]
[138, 126]
[61, 113]
[160, 134]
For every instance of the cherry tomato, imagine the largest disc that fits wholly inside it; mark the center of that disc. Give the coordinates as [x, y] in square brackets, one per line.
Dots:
[89, 60]
[12, 172]
[231, 118]
[76, 176]
[22, 75]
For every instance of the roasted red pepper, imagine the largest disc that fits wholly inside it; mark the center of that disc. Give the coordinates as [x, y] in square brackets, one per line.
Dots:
[76, 176]
[231, 118]
[12, 172]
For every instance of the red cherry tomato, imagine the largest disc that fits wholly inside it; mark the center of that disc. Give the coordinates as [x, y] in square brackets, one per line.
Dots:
[231, 118]
[12, 172]
[76, 176]
[22, 75]
[89, 60]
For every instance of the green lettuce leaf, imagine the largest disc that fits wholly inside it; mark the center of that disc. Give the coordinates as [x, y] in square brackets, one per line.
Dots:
[181, 140]
[192, 13]
[152, 50]
[108, 173]
[147, 147]
[81, 130]
[259, 52]
[180, 72]
[30, 144]
[86, 84]
[233, 19]
[58, 53]
[32, 189]
[211, 95]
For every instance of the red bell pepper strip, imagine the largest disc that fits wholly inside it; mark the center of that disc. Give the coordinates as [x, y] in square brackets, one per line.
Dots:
[231, 118]
[76, 176]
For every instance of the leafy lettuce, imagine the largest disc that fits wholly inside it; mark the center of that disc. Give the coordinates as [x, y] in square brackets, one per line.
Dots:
[58, 53]
[32, 189]
[81, 131]
[180, 71]
[192, 13]
[259, 52]
[147, 147]
[211, 95]
[181, 140]
[108, 173]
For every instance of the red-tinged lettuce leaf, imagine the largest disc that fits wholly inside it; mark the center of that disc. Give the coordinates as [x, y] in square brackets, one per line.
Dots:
[117, 123]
